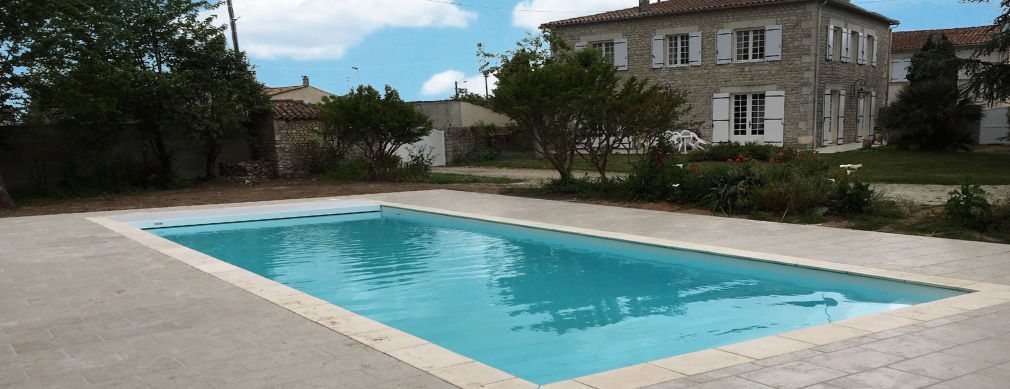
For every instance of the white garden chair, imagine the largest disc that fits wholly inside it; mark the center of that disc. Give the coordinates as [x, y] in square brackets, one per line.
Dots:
[686, 140]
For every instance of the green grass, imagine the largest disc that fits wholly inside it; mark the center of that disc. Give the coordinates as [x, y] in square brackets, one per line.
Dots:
[879, 165]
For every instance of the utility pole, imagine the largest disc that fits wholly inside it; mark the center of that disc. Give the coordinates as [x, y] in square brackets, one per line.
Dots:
[234, 34]
[485, 86]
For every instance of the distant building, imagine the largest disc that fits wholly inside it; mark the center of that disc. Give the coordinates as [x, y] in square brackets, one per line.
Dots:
[305, 93]
[905, 43]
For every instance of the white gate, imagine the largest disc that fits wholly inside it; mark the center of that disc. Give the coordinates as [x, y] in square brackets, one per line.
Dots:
[433, 143]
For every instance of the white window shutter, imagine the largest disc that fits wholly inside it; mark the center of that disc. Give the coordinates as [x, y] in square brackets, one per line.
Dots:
[773, 43]
[875, 46]
[861, 59]
[621, 54]
[775, 113]
[694, 46]
[723, 47]
[841, 116]
[899, 69]
[826, 123]
[859, 119]
[846, 45]
[580, 45]
[720, 117]
[831, 42]
[873, 114]
[657, 51]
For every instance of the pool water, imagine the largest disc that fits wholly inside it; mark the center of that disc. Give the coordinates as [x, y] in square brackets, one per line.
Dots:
[544, 306]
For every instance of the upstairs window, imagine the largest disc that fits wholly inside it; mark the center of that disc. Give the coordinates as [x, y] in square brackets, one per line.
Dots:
[607, 47]
[750, 45]
[678, 50]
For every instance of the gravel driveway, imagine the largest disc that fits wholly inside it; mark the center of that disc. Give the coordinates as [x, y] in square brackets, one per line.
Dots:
[921, 194]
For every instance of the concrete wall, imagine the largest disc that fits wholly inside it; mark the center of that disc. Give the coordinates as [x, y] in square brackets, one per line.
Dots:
[472, 114]
[450, 113]
[802, 41]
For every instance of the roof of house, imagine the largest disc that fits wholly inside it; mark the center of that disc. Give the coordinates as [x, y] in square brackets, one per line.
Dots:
[686, 6]
[964, 36]
[294, 110]
[281, 89]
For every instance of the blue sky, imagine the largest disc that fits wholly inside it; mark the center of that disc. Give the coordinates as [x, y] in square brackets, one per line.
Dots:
[421, 47]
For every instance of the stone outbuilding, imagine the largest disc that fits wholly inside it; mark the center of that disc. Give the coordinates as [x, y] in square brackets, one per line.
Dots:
[798, 73]
[287, 139]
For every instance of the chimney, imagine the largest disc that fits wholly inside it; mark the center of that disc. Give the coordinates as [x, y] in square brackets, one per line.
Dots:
[305, 80]
[643, 5]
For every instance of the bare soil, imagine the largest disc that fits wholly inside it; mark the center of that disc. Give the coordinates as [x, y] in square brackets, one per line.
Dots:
[227, 192]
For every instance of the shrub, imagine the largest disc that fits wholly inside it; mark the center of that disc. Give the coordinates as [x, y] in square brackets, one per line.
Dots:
[852, 196]
[761, 152]
[418, 164]
[969, 207]
[353, 169]
[481, 155]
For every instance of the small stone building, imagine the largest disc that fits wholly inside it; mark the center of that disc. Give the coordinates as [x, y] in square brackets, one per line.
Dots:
[799, 73]
[456, 120]
[305, 93]
[287, 138]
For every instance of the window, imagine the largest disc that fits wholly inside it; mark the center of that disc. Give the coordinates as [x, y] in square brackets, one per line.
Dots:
[607, 47]
[749, 114]
[750, 45]
[871, 46]
[838, 44]
[854, 47]
[678, 50]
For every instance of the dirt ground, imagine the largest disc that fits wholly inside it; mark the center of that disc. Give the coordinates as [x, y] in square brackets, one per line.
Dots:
[226, 192]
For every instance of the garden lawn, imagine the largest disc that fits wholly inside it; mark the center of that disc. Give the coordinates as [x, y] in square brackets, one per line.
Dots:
[879, 165]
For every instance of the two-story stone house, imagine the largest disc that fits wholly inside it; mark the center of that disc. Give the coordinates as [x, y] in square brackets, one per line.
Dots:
[800, 73]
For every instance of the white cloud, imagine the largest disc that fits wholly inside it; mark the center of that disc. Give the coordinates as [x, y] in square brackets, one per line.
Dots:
[326, 29]
[444, 82]
[563, 9]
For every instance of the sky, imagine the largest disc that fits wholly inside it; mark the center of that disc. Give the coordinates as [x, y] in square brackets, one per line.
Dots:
[423, 47]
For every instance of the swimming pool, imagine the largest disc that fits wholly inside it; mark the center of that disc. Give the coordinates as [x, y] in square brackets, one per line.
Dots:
[541, 305]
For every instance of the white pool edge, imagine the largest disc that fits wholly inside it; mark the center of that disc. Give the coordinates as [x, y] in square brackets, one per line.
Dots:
[465, 372]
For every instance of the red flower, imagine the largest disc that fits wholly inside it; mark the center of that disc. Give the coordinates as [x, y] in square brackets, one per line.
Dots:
[659, 164]
[738, 159]
[814, 155]
[729, 159]
[665, 155]
[781, 153]
[753, 161]
[778, 161]
[694, 168]
[794, 154]
[771, 160]
[701, 176]
[740, 156]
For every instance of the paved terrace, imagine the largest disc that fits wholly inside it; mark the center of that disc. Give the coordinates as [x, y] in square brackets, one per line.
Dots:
[82, 306]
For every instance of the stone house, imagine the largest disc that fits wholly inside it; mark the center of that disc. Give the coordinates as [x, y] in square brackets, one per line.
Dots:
[305, 93]
[798, 73]
[286, 139]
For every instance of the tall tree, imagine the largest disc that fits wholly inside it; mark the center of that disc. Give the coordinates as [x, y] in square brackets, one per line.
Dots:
[989, 78]
[376, 124]
[932, 112]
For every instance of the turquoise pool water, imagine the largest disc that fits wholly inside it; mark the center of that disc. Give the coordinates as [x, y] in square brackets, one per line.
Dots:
[544, 306]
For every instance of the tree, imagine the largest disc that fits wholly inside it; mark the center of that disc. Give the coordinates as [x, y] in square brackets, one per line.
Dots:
[376, 124]
[222, 94]
[105, 67]
[543, 86]
[932, 112]
[637, 112]
[990, 80]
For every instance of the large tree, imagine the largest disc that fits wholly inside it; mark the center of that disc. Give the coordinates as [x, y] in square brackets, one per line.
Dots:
[932, 112]
[376, 124]
[990, 80]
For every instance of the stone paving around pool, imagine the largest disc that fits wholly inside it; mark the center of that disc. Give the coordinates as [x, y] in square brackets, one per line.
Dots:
[84, 306]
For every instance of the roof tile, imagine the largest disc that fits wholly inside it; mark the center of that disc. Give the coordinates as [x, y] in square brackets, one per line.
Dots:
[913, 40]
[294, 110]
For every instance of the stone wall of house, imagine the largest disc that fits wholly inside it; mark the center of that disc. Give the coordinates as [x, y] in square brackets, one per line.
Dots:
[460, 141]
[793, 74]
[851, 77]
[297, 147]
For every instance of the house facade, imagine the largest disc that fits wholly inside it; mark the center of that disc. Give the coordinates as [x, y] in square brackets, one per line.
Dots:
[305, 93]
[798, 73]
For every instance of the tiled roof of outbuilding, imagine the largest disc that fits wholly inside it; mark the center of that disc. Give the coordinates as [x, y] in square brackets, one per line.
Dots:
[294, 110]
[685, 6]
[964, 36]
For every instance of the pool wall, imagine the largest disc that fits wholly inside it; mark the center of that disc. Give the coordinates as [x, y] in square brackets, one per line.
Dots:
[465, 372]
